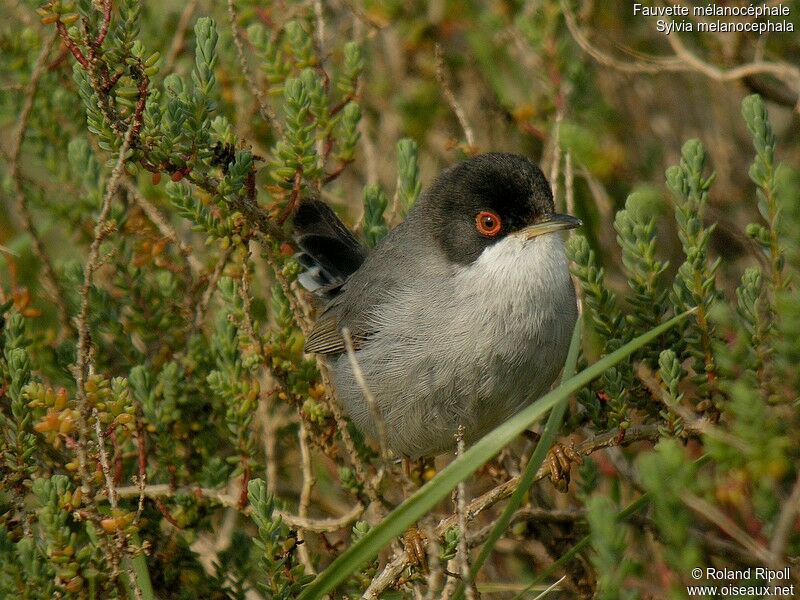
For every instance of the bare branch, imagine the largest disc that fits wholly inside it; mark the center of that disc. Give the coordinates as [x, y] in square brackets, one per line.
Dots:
[84, 349]
[441, 77]
[683, 61]
[461, 511]
[179, 39]
[305, 497]
[783, 528]
[263, 106]
[211, 286]
[121, 540]
[380, 423]
[50, 283]
[230, 501]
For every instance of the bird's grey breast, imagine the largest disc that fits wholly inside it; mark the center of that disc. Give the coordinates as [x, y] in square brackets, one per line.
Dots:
[464, 345]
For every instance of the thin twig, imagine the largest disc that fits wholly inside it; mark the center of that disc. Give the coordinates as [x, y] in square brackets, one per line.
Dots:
[101, 35]
[682, 61]
[433, 581]
[550, 588]
[165, 228]
[70, 44]
[122, 541]
[555, 164]
[726, 524]
[101, 449]
[701, 426]
[305, 497]
[784, 526]
[380, 423]
[84, 349]
[370, 153]
[211, 286]
[163, 490]
[569, 183]
[247, 304]
[372, 21]
[441, 77]
[263, 106]
[268, 429]
[461, 510]
[320, 29]
[179, 39]
[49, 281]
[141, 460]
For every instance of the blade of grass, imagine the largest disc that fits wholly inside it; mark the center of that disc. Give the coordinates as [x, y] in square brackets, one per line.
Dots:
[426, 498]
[138, 564]
[548, 437]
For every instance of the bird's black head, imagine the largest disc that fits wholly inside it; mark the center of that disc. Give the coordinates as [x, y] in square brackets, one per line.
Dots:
[486, 198]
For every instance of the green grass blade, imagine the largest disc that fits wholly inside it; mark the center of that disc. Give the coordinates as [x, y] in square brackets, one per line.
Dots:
[548, 437]
[426, 498]
[138, 564]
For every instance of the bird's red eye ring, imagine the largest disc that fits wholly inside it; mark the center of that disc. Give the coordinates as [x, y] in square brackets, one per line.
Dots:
[488, 223]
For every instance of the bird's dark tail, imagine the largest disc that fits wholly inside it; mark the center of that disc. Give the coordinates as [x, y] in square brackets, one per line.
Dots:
[329, 251]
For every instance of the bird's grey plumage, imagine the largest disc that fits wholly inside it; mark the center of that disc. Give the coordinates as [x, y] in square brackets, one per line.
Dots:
[447, 334]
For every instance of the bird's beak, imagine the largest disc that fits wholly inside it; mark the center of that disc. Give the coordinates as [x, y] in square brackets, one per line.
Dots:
[548, 224]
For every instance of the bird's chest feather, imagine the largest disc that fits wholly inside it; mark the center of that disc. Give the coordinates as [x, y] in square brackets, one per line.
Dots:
[471, 351]
[493, 329]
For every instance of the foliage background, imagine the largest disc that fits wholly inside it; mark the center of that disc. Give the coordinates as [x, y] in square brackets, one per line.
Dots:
[152, 332]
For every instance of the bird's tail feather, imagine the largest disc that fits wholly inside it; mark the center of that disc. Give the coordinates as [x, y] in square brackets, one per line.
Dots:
[329, 251]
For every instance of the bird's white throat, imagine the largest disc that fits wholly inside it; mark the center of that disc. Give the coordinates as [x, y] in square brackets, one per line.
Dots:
[518, 268]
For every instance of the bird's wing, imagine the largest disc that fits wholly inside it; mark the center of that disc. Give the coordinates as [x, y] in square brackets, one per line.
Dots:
[330, 254]
[358, 297]
[326, 338]
[345, 310]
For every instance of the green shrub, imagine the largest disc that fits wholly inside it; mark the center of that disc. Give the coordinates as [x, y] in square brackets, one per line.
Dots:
[163, 433]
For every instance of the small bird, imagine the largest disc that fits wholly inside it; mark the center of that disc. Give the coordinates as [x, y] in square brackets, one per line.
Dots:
[461, 316]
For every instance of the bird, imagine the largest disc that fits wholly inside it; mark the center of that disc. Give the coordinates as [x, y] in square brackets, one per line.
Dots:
[460, 316]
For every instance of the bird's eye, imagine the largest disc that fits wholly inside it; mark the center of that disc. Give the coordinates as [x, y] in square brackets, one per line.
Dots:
[488, 223]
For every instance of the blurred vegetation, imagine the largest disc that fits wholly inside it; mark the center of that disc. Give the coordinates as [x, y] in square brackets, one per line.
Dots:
[164, 436]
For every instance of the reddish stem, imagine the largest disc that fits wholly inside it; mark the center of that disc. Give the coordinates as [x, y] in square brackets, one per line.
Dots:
[245, 481]
[76, 52]
[58, 59]
[326, 150]
[101, 36]
[162, 508]
[534, 131]
[341, 104]
[620, 437]
[111, 82]
[295, 198]
[326, 79]
[141, 446]
[335, 174]
[138, 115]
